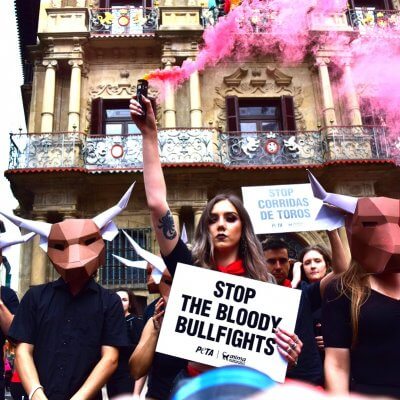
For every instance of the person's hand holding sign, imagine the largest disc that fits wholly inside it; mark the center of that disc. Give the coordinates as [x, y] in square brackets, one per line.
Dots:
[158, 314]
[289, 345]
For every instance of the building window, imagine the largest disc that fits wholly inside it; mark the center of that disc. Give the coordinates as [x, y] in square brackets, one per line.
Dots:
[125, 3]
[111, 117]
[113, 274]
[377, 4]
[260, 114]
[371, 115]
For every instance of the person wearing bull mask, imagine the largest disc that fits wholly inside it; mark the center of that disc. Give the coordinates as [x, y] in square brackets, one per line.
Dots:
[67, 332]
[361, 310]
[8, 299]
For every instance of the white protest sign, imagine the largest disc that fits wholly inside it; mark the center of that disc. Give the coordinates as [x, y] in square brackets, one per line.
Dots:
[221, 319]
[287, 208]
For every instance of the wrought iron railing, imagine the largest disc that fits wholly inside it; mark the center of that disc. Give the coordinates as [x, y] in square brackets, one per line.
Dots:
[123, 20]
[269, 148]
[46, 150]
[367, 19]
[205, 146]
[357, 142]
[185, 145]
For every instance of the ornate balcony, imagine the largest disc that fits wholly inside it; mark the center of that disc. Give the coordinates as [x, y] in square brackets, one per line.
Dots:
[46, 150]
[368, 19]
[358, 142]
[202, 146]
[270, 148]
[123, 21]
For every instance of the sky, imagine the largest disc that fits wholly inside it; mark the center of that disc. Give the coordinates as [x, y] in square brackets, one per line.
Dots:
[11, 109]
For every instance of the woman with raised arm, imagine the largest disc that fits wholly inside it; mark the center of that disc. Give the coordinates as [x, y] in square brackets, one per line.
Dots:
[224, 238]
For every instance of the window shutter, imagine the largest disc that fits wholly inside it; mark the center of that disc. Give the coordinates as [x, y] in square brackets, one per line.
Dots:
[288, 120]
[96, 121]
[232, 113]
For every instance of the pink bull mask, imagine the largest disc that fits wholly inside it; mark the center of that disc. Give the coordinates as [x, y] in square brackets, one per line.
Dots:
[76, 249]
[373, 228]
[76, 246]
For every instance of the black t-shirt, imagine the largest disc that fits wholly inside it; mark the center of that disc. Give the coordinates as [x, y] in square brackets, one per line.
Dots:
[180, 254]
[67, 332]
[309, 367]
[10, 300]
[374, 358]
[134, 327]
[164, 368]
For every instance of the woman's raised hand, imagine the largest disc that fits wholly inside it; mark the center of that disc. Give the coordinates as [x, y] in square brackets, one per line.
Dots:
[148, 124]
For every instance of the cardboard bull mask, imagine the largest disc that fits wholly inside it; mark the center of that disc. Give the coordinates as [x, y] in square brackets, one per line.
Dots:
[373, 228]
[159, 279]
[76, 246]
[164, 285]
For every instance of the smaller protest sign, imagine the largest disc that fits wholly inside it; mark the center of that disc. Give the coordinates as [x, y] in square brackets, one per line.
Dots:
[287, 208]
[220, 319]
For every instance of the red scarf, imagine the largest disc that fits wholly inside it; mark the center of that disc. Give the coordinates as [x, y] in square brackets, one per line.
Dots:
[287, 283]
[235, 268]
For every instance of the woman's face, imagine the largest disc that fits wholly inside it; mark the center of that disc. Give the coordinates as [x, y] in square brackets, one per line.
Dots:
[314, 266]
[125, 301]
[225, 226]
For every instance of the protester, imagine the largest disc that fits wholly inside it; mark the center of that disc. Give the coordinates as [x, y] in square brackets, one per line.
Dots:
[68, 332]
[224, 238]
[16, 389]
[309, 367]
[361, 326]
[316, 263]
[8, 307]
[161, 369]
[121, 382]
[361, 310]
[9, 236]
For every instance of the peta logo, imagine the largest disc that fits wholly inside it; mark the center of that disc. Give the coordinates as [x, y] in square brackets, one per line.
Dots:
[233, 359]
[205, 351]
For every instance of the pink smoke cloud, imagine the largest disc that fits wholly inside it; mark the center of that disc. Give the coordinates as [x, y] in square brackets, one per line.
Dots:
[282, 28]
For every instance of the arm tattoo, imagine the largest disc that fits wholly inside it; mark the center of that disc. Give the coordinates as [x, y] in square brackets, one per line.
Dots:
[167, 225]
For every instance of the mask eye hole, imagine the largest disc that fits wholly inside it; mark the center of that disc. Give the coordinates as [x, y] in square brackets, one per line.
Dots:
[58, 246]
[90, 241]
[369, 224]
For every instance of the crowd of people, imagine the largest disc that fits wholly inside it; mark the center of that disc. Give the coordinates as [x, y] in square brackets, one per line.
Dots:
[72, 336]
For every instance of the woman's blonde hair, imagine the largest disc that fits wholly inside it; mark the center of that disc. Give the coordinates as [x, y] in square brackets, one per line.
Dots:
[250, 250]
[354, 284]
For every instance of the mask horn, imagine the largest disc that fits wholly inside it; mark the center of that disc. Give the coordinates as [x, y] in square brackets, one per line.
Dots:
[105, 217]
[345, 203]
[40, 227]
[6, 242]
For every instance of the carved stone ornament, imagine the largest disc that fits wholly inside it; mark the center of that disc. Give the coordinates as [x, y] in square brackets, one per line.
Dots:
[238, 84]
[280, 78]
[236, 78]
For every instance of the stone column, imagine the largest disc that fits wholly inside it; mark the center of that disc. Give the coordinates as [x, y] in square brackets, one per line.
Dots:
[195, 101]
[197, 215]
[48, 95]
[169, 102]
[353, 106]
[75, 95]
[327, 97]
[39, 258]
